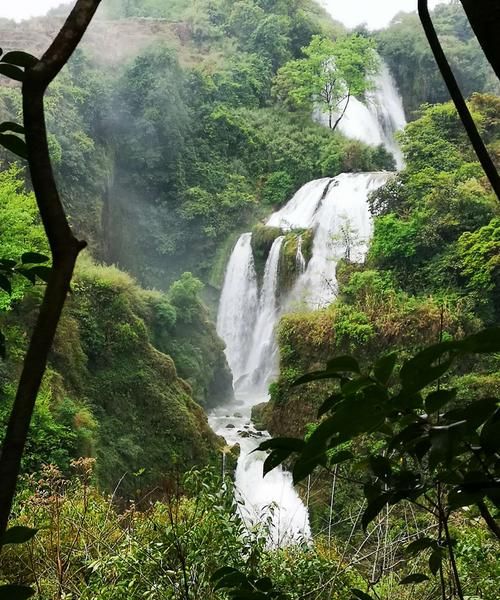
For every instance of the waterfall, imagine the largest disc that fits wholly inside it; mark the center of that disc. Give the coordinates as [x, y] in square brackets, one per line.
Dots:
[377, 118]
[300, 261]
[336, 211]
[342, 228]
[262, 363]
[239, 297]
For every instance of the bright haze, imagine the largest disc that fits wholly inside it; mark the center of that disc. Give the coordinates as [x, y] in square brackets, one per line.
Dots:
[373, 13]
[24, 9]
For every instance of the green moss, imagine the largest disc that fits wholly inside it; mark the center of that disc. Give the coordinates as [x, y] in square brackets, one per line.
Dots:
[262, 240]
[289, 270]
[111, 390]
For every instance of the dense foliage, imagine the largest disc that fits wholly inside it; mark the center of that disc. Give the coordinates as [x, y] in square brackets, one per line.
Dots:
[404, 47]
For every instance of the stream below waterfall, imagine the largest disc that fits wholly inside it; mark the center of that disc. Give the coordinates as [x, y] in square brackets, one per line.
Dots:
[336, 211]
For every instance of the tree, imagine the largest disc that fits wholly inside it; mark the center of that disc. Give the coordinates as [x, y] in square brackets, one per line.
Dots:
[328, 75]
[36, 75]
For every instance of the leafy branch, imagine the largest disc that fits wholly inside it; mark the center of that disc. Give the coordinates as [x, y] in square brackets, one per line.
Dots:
[35, 76]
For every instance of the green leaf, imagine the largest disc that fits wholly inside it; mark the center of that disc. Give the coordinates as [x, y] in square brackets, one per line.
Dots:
[343, 364]
[330, 403]
[18, 535]
[420, 545]
[14, 144]
[5, 284]
[20, 59]
[340, 457]
[11, 72]
[354, 386]
[316, 376]
[374, 508]
[33, 258]
[42, 272]
[384, 367]
[9, 126]
[485, 341]
[15, 592]
[436, 400]
[274, 460]
[3, 348]
[359, 595]
[427, 366]
[282, 443]
[380, 466]
[490, 434]
[415, 578]
[264, 584]
[435, 560]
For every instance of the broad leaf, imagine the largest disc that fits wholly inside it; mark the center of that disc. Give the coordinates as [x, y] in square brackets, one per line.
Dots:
[282, 443]
[435, 560]
[420, 545]
[18, 535]
[374, 508]
[316, 376]
[359, 595]
[20, 59]
[33, 258]
[11, 72]
[439, 398]
[343, 364]
[5, 284]
[14, 144]
[9, 126]
[384, 367]
[15, 592]
[427, 366]
[485, 341]
[415, 578]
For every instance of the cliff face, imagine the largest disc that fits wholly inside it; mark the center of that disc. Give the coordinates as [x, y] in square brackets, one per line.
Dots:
[117, 396]
[367, 329]
[106, 42]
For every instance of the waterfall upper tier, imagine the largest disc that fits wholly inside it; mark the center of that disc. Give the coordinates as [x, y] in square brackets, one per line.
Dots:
[377, 118]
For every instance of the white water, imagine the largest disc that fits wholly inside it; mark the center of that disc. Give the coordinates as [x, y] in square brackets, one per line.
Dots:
[336, 209]
[378, 118]
[262, 362]
[239, 297]
[300, 261]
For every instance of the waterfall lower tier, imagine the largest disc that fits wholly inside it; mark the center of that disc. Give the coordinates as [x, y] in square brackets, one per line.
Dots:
[336, 211]
[261, 500]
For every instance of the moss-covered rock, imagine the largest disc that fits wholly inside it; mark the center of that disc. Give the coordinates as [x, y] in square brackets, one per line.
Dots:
[366, 329]
[289, 267]
[117, 394]
[262, 240]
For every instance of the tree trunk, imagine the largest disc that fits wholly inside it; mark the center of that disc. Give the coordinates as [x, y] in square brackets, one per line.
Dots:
[63, 245]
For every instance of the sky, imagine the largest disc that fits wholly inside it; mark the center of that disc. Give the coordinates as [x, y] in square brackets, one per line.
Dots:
[375, 13]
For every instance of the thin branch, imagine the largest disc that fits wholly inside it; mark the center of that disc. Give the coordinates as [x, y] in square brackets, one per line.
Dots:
[457, 97]
[489, 519]
[64, 246]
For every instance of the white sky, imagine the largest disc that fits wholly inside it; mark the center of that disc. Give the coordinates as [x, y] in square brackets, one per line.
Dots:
[375, 13]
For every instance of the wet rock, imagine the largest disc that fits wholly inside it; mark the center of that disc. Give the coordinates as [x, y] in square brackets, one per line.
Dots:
[230, 426]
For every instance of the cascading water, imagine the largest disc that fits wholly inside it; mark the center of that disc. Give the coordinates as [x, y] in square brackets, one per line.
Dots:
[376, 119]
[300, 261]
[239, 297]
[336, 211]
[262, 361]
